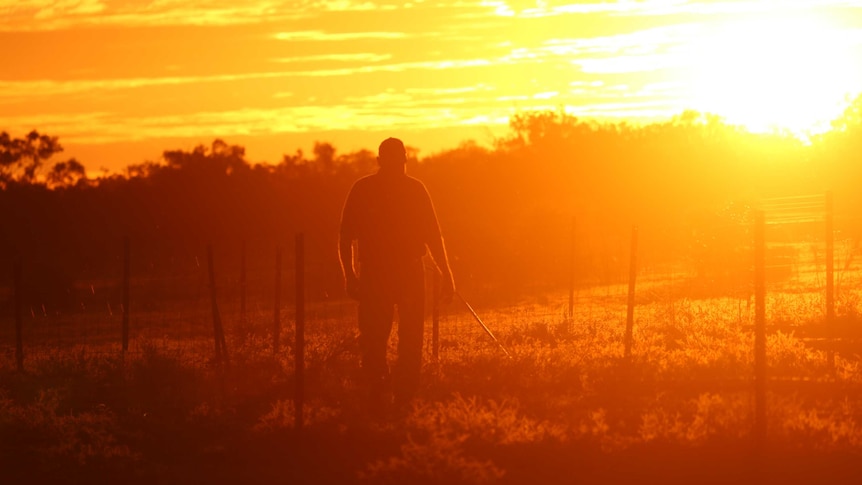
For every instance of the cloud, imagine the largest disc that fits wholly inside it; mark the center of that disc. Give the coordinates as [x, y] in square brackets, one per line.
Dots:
[354, 6]
[70, 8]
[549, 9]
[317, 35]
[397, 67]
[453, 90]
[37, 15]
[418, 108]
[414, 99]
[352, 57]
[707, 7]
[13, 90]
[104, 127]
[398, 113]
[639, 51]
[553, 8]
[40, 15]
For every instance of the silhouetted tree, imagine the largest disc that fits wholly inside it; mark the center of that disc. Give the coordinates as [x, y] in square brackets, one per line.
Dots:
[21, 158]
[67, 174]
[324, 157]
[142, 170]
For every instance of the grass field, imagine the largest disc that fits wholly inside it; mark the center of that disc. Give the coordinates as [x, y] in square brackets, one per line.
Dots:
[567, 407]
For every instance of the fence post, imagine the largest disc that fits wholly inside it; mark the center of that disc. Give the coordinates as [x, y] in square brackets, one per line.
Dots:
[242, 284]
[760, 328]
[276, 322]
[17, 277]
[830, 260]
[127, 284]
[572, 272]
[435, 315]
[299, 397]
[218, 330]
[830, 276]
[630, 311]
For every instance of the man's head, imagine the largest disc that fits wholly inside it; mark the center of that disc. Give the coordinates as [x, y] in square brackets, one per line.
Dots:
[391, 155]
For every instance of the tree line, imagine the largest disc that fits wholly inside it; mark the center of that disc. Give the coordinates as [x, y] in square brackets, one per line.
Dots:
[508, 211]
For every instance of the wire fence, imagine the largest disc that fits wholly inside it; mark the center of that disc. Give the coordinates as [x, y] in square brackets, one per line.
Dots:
[812, 271]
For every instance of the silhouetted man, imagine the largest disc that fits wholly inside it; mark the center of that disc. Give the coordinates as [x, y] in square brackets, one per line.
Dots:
[390, 216]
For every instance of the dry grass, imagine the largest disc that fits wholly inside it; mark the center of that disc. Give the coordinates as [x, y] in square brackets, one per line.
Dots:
[566, 407]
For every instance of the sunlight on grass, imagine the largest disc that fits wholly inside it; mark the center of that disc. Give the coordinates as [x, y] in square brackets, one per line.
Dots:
[689, 384]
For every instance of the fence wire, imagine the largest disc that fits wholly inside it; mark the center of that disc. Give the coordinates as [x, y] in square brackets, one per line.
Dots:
[171, 300]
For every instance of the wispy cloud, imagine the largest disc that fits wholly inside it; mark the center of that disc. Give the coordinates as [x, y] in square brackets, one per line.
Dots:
[61, 14]
[16, 90]
[552, 8]
[454, 90]
[397, 67]
[319, 35]
[640, 51]
[354, 57]
[719, 7]
[104, 127]
[11, 90]
[68, 8]
[30, 15]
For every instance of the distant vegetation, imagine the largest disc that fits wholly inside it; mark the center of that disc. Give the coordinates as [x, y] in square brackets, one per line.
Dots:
[506, 211]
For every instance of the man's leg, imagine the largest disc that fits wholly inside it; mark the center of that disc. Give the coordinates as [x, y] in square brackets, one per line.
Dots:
[411, 313]
[375, 324]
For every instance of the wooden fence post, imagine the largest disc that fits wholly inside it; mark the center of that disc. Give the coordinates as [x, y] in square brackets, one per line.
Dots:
[299, 397]
[630, 310]
[218, 331]
[127, 285]
[276, 322]
[572, 272]
[830, 277]
[17, 277]
[830, 260]
[435, 315]
[760, 328]
[242, 285]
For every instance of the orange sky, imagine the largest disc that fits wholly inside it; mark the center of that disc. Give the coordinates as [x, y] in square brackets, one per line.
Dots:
[121, 81]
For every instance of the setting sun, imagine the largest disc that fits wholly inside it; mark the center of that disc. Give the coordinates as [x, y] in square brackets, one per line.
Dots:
[791, 73]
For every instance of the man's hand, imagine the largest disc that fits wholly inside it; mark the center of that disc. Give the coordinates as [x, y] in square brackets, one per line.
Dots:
[351, 285]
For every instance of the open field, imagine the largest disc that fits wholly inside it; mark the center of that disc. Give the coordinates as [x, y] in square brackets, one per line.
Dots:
[566, 408]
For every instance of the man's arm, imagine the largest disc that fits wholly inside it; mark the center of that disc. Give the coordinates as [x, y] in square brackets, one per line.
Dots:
[346, 236]
[438, 252]
[436, 246]
[348, 270]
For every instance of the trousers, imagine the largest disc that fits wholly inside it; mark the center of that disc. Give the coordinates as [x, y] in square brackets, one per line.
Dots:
[382, 289]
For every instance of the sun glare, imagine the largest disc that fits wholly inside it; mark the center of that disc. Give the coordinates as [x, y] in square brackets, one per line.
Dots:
[792, 74]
